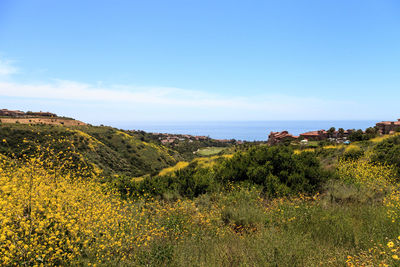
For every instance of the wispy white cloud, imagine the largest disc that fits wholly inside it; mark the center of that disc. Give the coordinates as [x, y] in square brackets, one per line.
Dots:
[156, 102]
[97, 101]
[7, 68]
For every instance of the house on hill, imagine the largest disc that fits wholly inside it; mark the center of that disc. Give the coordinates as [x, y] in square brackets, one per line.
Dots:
[388, 127]
[315, 135]
[19, 113]
[323, 135]
[338, 134]
[41, 113]
[278, 137]
[11, 113]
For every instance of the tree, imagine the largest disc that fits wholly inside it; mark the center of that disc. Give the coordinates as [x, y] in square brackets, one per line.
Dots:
[331, 132]
[341, 132]
[370, 133]
[356, 135]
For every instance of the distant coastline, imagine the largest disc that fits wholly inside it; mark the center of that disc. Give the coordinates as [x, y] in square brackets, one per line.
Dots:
[222, 130]
[241, 130]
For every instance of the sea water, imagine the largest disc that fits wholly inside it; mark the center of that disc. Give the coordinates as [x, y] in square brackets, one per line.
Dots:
[241, 130]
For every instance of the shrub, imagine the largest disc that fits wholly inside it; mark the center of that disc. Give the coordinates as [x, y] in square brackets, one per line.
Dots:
[188, 182]
[387, 152]
[354, 153]
[277, 168]
[364, 173]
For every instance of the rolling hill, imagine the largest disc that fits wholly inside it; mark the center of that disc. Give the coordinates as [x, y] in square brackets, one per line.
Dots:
[108, 150]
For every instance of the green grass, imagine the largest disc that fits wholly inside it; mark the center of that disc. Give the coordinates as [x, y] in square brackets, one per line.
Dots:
[210, 151]
[293, 233]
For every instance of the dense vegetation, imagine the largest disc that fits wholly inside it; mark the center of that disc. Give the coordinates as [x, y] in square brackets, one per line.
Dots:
[73, 197]
[277, 170]
[106, 149]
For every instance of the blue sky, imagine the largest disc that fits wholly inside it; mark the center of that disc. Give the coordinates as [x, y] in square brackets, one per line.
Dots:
[201, 60]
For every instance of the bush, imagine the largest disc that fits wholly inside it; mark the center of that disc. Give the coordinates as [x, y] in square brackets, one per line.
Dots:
[277, 169]
[188, 182]
[360, 135]
[388, 152]
[352, 154]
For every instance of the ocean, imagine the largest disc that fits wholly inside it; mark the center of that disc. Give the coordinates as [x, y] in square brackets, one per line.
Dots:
[241, 130]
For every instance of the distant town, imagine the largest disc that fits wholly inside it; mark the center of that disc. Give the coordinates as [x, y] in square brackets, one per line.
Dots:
[40, 117]
[166, 138]
[340, 135]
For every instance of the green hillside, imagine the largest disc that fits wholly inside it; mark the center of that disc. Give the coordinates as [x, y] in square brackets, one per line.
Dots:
[104, 149]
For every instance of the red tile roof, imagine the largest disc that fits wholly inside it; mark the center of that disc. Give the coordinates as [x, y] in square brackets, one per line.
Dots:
[388, 123]
[314, 133]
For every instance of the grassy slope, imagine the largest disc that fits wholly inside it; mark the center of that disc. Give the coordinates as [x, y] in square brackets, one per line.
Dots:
[210, 151]
[111, 150]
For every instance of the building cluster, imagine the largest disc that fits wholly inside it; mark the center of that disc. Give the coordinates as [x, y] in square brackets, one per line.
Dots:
[11, 113]
[324, 135]
[30, 117]
[388, 127]
[172, 139]
[166, 138]
[278, 137]
[384, 127]
[320, 135]
[19, 113]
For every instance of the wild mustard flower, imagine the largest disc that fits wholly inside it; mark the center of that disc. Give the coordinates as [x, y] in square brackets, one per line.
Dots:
[54, 213]
[365, 173]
